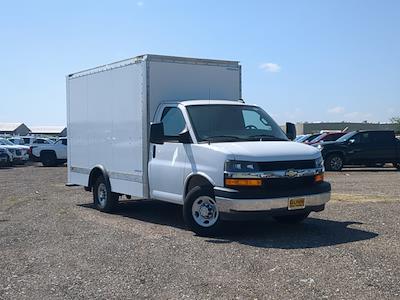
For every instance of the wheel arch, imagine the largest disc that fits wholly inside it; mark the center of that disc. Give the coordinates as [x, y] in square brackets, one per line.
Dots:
[44, 151]
[196, 179]
[97, 171]
[337, 152]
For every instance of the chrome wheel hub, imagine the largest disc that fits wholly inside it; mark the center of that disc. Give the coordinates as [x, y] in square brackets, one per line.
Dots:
[102, 194]
[205, 211]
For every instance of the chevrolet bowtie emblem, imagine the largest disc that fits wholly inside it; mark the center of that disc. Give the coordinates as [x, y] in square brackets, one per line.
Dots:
[291, 173]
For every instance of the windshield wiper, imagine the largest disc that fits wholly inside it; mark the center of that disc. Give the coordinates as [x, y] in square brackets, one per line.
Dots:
[221, 138]
[267, 137]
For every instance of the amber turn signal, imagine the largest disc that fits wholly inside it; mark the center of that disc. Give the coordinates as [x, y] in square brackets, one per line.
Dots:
[319, 178]
[242, 182]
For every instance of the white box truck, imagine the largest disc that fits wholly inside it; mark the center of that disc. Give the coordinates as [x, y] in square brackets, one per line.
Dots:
[175, 129]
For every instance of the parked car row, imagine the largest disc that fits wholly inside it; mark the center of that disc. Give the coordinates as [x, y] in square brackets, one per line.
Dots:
[317, 138]
[18, 150]
[367, 148]
[372, 148]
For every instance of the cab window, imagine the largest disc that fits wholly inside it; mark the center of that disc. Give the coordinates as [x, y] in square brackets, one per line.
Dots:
[253, 120]
[173, 121]
[362, 138]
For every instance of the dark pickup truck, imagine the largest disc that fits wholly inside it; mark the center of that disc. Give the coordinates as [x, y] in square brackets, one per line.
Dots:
[368, 148]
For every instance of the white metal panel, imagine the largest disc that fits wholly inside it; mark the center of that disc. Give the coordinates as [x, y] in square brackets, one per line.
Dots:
[127, 115]
[186, 81]
[99, 119]
[77, 123]
[106, 121]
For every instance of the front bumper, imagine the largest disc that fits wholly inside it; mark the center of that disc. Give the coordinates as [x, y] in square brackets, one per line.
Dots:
[233, 202]
[21, 158]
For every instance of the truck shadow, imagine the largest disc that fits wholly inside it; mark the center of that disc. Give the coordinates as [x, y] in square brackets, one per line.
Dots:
[312, 233]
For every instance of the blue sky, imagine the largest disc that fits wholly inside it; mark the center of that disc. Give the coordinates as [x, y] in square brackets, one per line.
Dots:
[301, 60]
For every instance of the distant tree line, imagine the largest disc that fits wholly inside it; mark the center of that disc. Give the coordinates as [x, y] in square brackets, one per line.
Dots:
[396, 120]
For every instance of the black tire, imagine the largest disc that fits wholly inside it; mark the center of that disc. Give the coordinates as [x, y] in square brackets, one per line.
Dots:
[334, 162]
[397, 166]
[292, 219]
[8, 163]
[103, 199]
[204, 197]
[48, 158]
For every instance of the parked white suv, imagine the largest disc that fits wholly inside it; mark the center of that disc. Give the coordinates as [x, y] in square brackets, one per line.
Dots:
[20, 153]
[30, 140]
[6, 157]
[51, 154]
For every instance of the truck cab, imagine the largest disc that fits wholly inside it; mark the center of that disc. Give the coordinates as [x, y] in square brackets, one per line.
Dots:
[224, 159]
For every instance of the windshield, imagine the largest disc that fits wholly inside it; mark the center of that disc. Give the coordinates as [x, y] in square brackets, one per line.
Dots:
[318, 138]
[5, 142]
[346, 137]
[224, 123]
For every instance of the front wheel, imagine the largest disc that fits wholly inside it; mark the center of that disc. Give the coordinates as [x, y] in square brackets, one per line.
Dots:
[397, 166]
[104, 199]
[292, 219]
[334, 162]
[200, 211]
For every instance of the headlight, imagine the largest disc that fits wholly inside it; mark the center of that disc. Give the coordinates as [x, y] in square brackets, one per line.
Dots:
[241, 166]
[320, 147]
[319, 162]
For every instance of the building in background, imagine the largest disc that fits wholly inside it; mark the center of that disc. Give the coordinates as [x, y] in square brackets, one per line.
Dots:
[60, 131]
[13, 129]
[306, 128]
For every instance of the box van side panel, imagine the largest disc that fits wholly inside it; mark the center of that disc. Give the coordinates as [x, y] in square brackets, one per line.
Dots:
[77, 132]
[105, 121]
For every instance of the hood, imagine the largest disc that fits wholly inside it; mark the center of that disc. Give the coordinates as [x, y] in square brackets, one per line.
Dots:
[267, 150]
[18, 147]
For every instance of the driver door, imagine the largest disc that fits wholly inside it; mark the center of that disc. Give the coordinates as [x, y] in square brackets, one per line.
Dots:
[167, 161]
[360, 149]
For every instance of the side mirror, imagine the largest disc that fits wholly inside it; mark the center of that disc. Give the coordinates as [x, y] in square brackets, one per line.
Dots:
[290, 131]
[184, 137]
[157, 133]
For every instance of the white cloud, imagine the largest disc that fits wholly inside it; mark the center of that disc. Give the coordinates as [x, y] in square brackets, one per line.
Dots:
[336, 110]
[270, 67]
[140, 3]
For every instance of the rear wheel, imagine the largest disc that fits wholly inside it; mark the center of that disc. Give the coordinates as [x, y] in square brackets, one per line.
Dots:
[48, 158]
[200, 211]
[104, 200]
[292, 219]
[334, 162]
[8, 163]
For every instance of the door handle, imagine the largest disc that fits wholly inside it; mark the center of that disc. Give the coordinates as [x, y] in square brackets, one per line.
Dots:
[154, 151]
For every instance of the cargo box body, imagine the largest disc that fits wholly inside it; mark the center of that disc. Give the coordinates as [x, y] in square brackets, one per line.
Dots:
[109, 110]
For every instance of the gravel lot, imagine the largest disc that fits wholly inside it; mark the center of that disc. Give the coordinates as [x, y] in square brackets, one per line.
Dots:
[53, 244]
